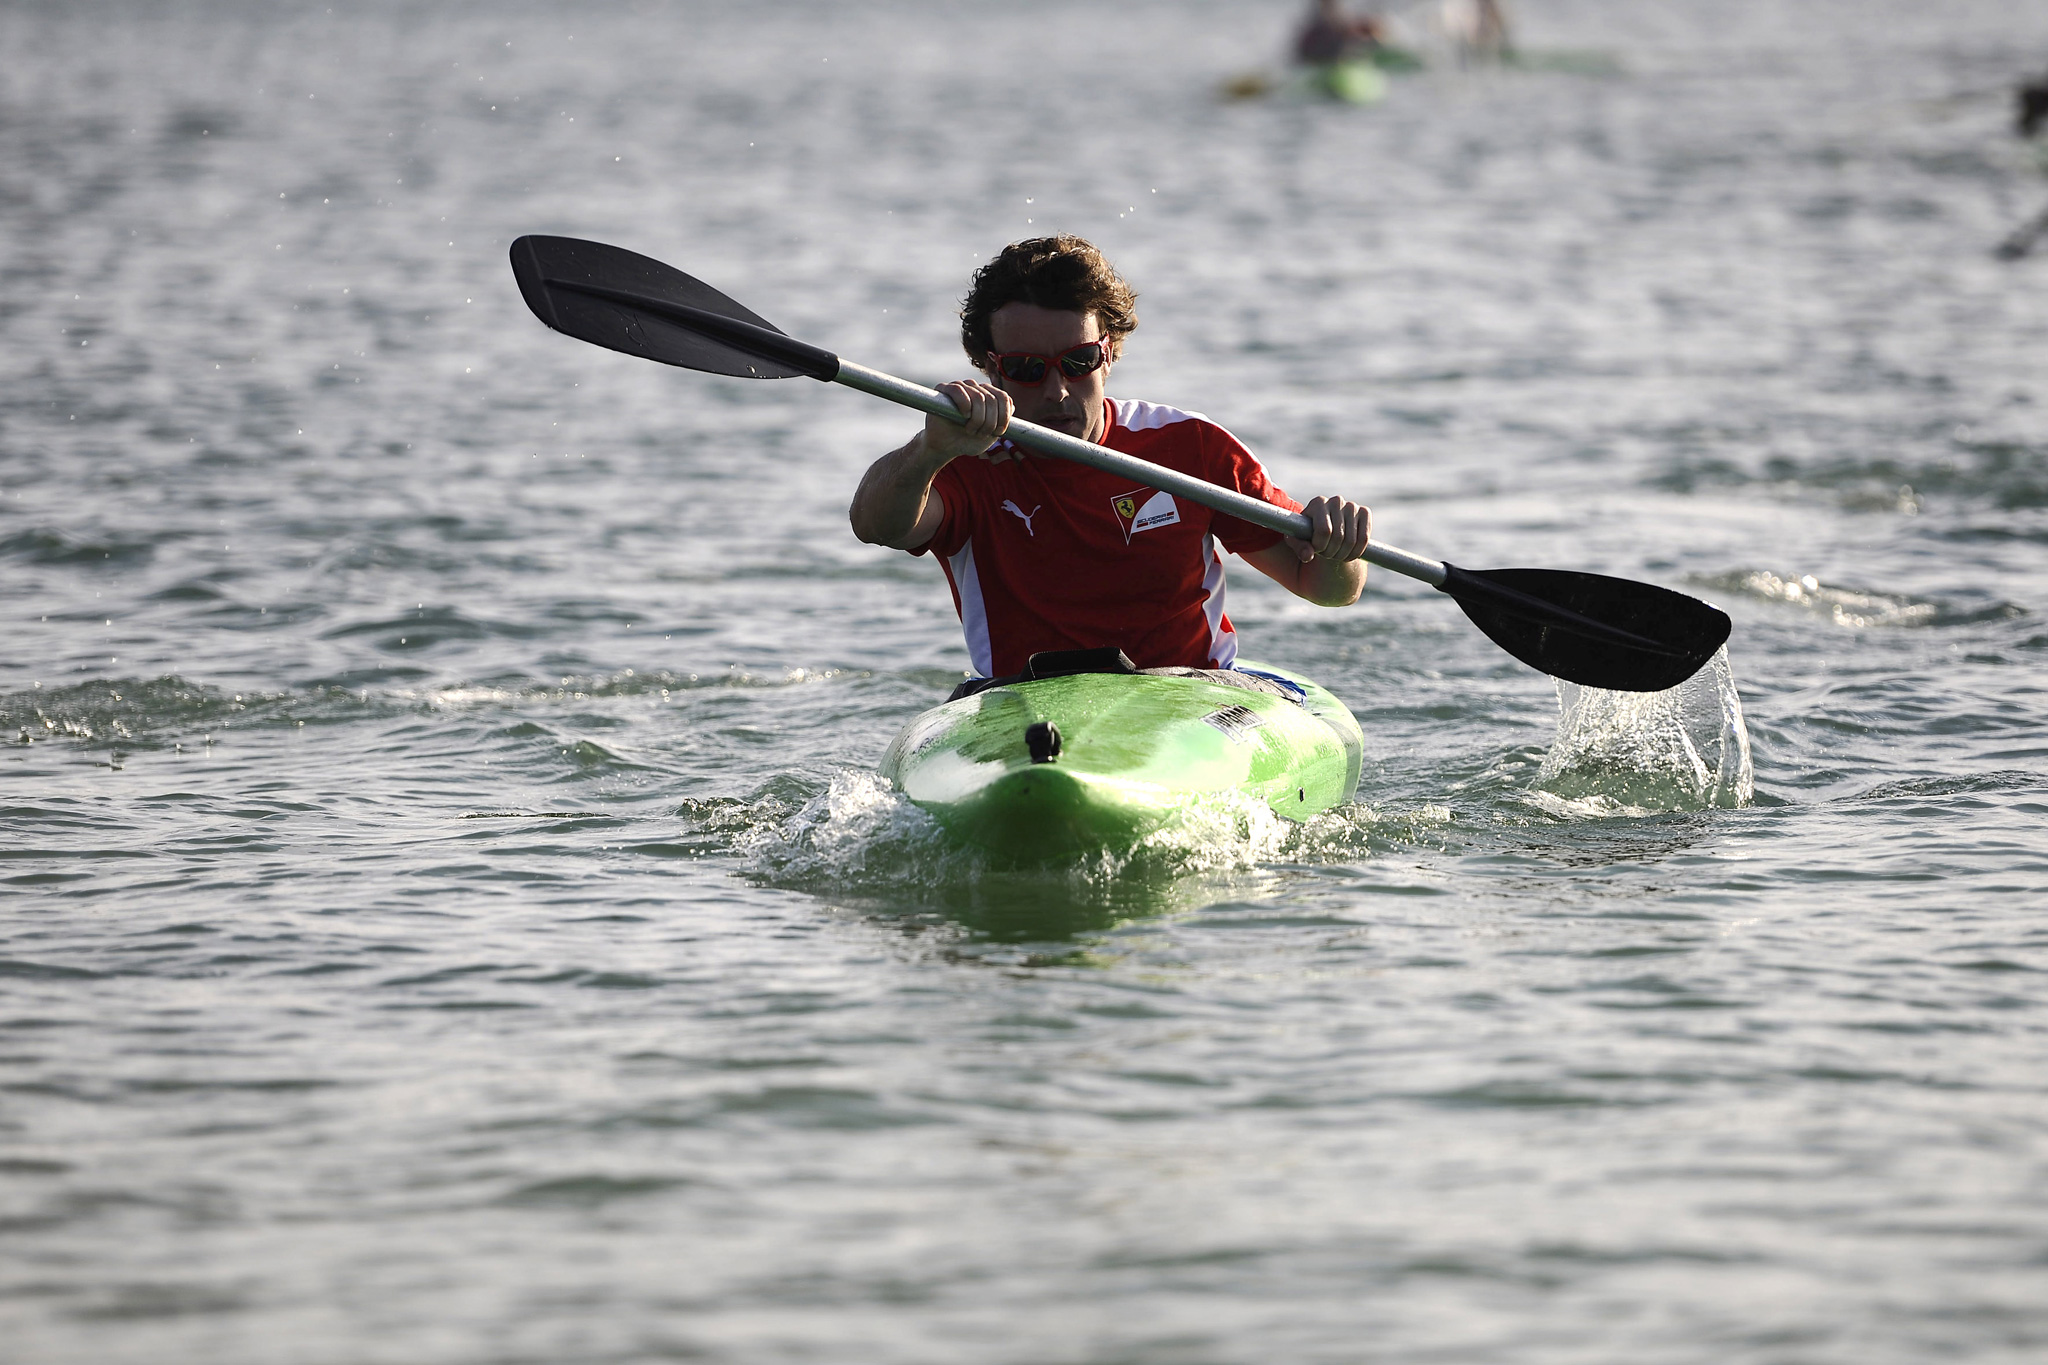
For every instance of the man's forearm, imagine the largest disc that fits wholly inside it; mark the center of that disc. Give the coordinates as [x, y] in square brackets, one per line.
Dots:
[1331, 582]
[892, 495]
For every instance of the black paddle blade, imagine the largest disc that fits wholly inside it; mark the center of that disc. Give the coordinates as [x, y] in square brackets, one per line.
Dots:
[1590, 629]
[627, 302]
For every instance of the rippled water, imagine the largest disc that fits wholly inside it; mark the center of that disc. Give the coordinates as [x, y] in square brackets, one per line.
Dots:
[449, 911]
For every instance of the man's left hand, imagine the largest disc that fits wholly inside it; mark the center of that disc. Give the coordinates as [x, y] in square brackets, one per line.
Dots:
[1338, 530]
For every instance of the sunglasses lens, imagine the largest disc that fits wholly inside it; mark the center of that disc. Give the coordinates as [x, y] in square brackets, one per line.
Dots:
[1083, 359]
[1025, 369]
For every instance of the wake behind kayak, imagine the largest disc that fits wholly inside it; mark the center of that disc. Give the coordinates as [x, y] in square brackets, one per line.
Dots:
[1048, 767]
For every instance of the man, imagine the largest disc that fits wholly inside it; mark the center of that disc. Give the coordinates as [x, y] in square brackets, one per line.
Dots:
[1329, 35]
[1046, 554]
[1479, 28]
[2033, 112]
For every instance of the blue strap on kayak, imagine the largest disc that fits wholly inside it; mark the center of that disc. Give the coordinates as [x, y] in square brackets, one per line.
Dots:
[1289, 688]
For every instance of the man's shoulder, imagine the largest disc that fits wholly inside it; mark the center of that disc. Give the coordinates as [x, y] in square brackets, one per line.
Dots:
[1135, 415]
[1157, 432]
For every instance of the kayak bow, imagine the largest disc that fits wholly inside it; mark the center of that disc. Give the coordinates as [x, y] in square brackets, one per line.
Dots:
[1049, 767]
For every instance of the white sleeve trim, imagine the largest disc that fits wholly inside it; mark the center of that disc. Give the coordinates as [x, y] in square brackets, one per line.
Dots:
[973, 612]
[1133, 415]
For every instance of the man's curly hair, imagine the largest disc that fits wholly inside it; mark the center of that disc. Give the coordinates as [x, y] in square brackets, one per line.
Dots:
[1063, 272]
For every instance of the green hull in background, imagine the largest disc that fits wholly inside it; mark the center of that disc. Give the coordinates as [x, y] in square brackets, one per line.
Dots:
[1356, 82]
[1136, 750]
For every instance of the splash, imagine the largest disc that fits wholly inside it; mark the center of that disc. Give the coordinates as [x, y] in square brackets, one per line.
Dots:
[1639, 753]
[861, 833]
[860, 842]
[858, 830]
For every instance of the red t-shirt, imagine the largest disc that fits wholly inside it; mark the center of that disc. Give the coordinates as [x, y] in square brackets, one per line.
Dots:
[1043, 553]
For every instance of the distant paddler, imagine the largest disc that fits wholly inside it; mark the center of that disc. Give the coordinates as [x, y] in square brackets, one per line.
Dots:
[1479, 30]
[1329, 34]
[2033, 106]
[1340, 51]
[2032, 116]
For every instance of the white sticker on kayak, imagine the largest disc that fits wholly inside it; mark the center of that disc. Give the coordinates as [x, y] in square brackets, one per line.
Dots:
[1236, 722]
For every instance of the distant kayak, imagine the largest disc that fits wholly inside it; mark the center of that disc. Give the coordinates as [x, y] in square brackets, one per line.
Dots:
[1345, 82]
[1363, 80]
[1054, 766]
[1564, 61]
[1357, 80]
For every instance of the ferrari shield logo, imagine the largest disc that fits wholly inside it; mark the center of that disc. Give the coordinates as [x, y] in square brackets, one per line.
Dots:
[1141, 509]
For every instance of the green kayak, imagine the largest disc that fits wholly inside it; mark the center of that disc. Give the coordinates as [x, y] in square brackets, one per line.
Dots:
[1353, 82]
[1052, 766]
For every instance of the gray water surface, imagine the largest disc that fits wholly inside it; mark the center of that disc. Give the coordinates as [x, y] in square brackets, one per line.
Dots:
[447, 909]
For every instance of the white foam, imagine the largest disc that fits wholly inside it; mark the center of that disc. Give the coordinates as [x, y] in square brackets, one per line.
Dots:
[863, 833]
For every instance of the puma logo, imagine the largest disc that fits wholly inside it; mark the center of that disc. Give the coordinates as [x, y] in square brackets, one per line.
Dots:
[1014, 510]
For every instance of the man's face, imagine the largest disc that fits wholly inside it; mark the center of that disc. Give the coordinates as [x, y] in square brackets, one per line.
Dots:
[1071, 406]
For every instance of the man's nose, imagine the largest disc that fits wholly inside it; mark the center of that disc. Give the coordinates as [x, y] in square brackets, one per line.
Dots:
[1055, 385]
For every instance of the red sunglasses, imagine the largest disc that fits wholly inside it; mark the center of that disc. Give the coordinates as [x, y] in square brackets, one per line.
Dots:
[1025, 368]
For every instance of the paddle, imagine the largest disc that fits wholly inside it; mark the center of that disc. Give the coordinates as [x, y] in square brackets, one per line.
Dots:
[1585, 628]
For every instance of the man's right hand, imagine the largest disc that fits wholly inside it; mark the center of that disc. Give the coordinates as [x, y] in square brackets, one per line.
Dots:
[987, 410]
[896, 503]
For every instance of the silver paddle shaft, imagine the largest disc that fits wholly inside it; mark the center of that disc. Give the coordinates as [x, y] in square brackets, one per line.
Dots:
[1048, 442]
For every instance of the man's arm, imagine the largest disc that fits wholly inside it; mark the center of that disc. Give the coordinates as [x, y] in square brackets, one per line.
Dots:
[1325, 568]
[895, 504]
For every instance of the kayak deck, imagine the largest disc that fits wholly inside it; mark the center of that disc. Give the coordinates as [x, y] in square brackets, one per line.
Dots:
[1135, 750]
